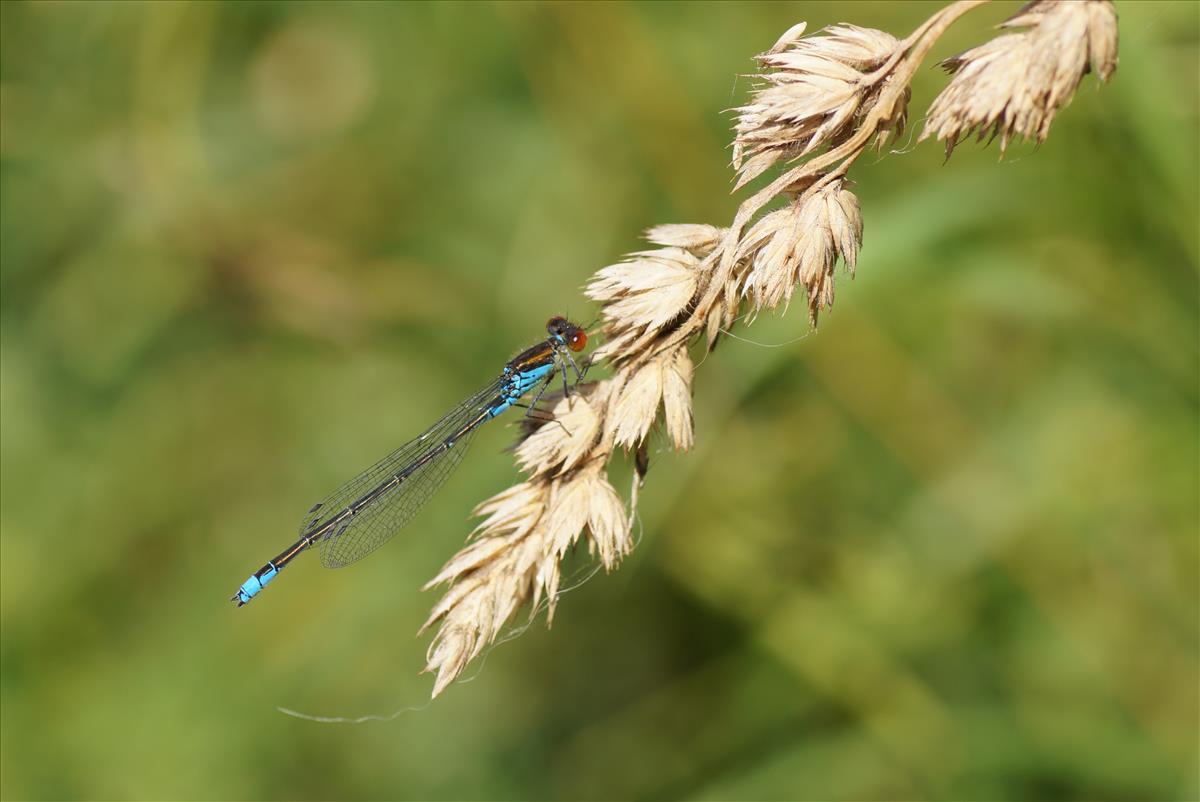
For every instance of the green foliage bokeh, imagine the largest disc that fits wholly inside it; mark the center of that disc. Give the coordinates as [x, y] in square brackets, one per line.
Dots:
[944, 548]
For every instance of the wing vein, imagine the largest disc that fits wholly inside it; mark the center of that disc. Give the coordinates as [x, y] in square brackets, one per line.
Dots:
[366, 512]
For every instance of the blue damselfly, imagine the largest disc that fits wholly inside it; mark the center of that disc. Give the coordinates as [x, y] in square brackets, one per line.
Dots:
[363, 514]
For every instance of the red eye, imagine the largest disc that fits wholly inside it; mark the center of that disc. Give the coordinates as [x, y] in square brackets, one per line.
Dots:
[578, 341]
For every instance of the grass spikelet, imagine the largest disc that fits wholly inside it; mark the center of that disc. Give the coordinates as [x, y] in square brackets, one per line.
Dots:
[800, 245]
[1014, 85]
[814, 87]
[822, 102]
[642, 294]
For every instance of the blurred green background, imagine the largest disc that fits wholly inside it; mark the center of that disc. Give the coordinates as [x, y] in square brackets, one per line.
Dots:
[945, 548]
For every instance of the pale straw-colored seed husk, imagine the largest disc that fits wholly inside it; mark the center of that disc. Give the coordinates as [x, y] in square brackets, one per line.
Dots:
[814, 88]
[1014, 85]
[800, 244]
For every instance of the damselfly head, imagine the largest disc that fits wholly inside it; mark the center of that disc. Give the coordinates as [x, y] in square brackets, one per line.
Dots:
[567, 332]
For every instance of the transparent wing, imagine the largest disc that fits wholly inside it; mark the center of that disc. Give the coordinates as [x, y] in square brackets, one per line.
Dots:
[370, 508]
[376, 523]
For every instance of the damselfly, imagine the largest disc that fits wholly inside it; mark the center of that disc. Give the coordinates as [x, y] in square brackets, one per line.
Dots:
[363, 514]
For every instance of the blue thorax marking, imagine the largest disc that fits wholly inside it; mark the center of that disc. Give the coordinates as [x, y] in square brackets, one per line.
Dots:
[518, 384]
[526, 379]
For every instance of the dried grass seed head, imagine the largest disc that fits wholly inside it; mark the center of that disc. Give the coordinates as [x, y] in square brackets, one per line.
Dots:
[800, 244]
[491, 578]
[1082, 31]
[1014, 85]
[698, 238]
[508, 516]
[588, 500]
[636, 407]
[677, 398]
[641, 295]
[517, 558]
[814, 88]
[665, 378]
[565, 441]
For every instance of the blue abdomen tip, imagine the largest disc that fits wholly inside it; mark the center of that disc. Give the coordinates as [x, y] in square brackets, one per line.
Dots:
[251, 587]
